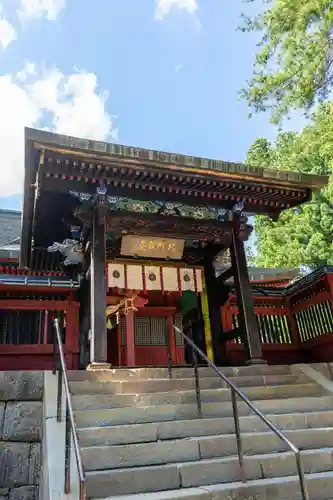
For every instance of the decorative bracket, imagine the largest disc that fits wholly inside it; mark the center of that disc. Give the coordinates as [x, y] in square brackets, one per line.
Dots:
[101, 200]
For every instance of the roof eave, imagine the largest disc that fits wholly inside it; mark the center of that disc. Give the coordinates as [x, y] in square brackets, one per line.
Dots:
[207, 167]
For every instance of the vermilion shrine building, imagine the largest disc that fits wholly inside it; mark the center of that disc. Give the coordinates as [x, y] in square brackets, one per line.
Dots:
[143, 233]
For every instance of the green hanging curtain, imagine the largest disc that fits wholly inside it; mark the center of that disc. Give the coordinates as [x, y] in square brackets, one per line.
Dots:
[188, 301]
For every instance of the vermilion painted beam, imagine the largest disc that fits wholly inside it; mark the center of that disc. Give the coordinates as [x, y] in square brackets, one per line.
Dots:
[329, 278]
[172, 339]
[156, 311]
[311, 301]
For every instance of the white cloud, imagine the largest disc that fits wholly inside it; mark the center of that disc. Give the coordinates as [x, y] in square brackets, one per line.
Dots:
[36, 9]
[164, 7]
[7, 31]
[66, 104]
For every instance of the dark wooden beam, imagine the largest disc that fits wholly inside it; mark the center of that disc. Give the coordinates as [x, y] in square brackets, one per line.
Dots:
[28, 208]
[225, 275]
[98, 340]
[60, 185]
[247, 319]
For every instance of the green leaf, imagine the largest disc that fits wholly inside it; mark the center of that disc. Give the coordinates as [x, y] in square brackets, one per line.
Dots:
[303, 235]
[293, 68]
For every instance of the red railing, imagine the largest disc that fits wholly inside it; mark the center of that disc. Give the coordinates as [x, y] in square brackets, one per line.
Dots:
[275, 330]
[294, 326]
[26, 332]
[312, 314]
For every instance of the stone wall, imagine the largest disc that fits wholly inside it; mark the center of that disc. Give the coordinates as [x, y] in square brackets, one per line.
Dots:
[21, 395]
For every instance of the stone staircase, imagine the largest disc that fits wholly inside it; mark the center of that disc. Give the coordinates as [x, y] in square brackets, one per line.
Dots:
[141, 436]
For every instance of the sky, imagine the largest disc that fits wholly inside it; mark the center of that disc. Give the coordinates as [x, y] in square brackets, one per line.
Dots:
[159, 74]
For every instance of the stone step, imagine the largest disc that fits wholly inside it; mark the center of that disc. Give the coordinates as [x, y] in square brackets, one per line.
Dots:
[178, 429]
[95, 402]
[119, 374]
[141, 414]
[198, 448]
[320, 487]
[164, 385]
[204, 472]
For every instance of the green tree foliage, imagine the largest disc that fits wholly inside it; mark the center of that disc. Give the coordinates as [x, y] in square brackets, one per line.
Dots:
[250, 256]
[303, 235]
[294, 64]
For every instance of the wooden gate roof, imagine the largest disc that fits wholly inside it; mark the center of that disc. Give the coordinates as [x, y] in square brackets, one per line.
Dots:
[58, 163]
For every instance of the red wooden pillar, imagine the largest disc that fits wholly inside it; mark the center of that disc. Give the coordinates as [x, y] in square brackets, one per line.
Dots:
[130, 339]
[120, 361]
[226, 313]
[172, 339]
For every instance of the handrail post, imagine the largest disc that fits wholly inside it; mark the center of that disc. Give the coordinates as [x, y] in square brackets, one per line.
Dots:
[197, 382]
[70, 429]
[55, 345]
[167, 341]
[301, 475]
[238, 436]
[67, 452]
[196, 375]
[59, 394]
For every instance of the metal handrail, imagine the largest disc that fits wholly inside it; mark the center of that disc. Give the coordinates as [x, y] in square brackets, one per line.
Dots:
[235, 391]
[70, 429]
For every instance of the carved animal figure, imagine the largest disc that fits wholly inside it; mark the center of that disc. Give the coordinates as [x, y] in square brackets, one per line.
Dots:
[71, 249]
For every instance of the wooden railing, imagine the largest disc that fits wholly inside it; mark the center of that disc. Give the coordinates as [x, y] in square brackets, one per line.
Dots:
[46, 261]
[312, 313]
[273, 328]
[26, 332]
[314, 317]
[27, 326]
[295, 325]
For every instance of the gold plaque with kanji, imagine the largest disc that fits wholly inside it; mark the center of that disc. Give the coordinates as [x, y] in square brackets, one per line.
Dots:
[157, 248]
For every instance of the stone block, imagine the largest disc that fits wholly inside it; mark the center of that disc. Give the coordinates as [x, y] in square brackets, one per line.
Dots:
[102, 402]
[124, 434]
[319, 419]
[291, 405]
[284, 464]
[217, 446]
[205, 472]
[14, 464]
[23, 421]
[191, 428]
[24, 386]
[139, 455]
[120, 416]
[35, 464]
[128, 481]
[24, 493]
